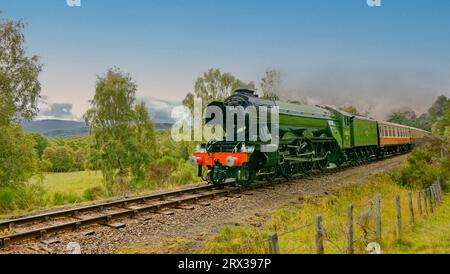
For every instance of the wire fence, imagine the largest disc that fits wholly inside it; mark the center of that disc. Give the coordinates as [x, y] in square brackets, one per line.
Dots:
[369, 223]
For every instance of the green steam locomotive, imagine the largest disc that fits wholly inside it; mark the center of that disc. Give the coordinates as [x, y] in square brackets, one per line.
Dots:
[309, 138]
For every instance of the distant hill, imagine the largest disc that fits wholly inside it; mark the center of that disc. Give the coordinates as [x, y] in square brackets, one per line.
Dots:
[54, 128]
[57, 128]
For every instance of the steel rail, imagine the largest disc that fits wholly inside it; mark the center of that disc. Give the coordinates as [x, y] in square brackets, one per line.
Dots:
[148, 203]
[77, 210]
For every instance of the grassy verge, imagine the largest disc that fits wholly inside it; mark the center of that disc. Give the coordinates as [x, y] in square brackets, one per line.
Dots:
[428, 235]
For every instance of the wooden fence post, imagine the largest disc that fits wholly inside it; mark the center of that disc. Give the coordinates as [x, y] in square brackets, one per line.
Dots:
[430, 202]
[378, 217]
[419, 202]
[399, 217]
[433, 195]
[425, 203]
[436, 191]
[274, 247]
[319, 235]
[439, 186]
[410, 204]
[350, 230]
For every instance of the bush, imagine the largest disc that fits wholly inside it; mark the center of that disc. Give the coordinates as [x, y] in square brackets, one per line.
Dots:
[65, 198]
[161, 169]
[6, 200]
[61, 158]
[420, 171]
[45, 166]
[185, 174]
[93, 193]
[25, 197]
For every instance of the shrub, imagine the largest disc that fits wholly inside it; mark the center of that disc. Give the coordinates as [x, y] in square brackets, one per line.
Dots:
[185, 174]
[161, 169]
[61, 157]
[65, 198]
[6, 200]
[25, 197]
[93, 193]
[420, 171]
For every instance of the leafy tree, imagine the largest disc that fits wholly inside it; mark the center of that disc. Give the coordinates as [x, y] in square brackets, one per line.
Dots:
[214, 85]
[79, 159]
[19, 85]
[17, 156]
[41, 143]
[424, 122]
[438, 108]
[145, 129]
[60, 157]
[115, 124]
[270, 84]
[19, 93]
[442, 124]
[405, 116]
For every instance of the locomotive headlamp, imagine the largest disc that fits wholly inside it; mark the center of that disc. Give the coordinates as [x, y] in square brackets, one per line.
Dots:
[231, 161]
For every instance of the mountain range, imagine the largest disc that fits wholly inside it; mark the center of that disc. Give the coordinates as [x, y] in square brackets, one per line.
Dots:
[54, 128]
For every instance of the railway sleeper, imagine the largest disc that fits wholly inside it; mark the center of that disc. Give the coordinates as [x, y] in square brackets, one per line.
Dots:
[5, 242]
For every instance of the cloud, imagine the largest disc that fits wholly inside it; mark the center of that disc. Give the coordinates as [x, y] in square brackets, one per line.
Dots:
[160, 110]
[379, 92]
[61, 111]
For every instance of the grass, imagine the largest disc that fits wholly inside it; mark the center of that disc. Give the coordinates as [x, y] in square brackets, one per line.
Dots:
[71, 188]
[294, 225]
[72, 182]
[430, 236]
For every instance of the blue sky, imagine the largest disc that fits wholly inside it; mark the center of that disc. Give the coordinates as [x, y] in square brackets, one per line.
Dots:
[332, 52]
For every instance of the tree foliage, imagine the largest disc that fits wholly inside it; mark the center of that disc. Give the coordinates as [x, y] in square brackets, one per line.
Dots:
[41, 143]
[405, 116]
[19, 85]
[60, 157]
[433, 118]
[19, 93]
[214, 85]
[17, 157]
[121, 131]
[270, 85]
[442, 124]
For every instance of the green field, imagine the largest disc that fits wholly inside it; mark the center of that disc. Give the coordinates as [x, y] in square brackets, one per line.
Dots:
[73, 182]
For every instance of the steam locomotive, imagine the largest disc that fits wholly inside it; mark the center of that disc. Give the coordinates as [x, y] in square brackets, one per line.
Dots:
[309, 138]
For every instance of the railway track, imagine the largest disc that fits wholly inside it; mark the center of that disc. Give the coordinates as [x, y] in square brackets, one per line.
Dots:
[109, 213]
